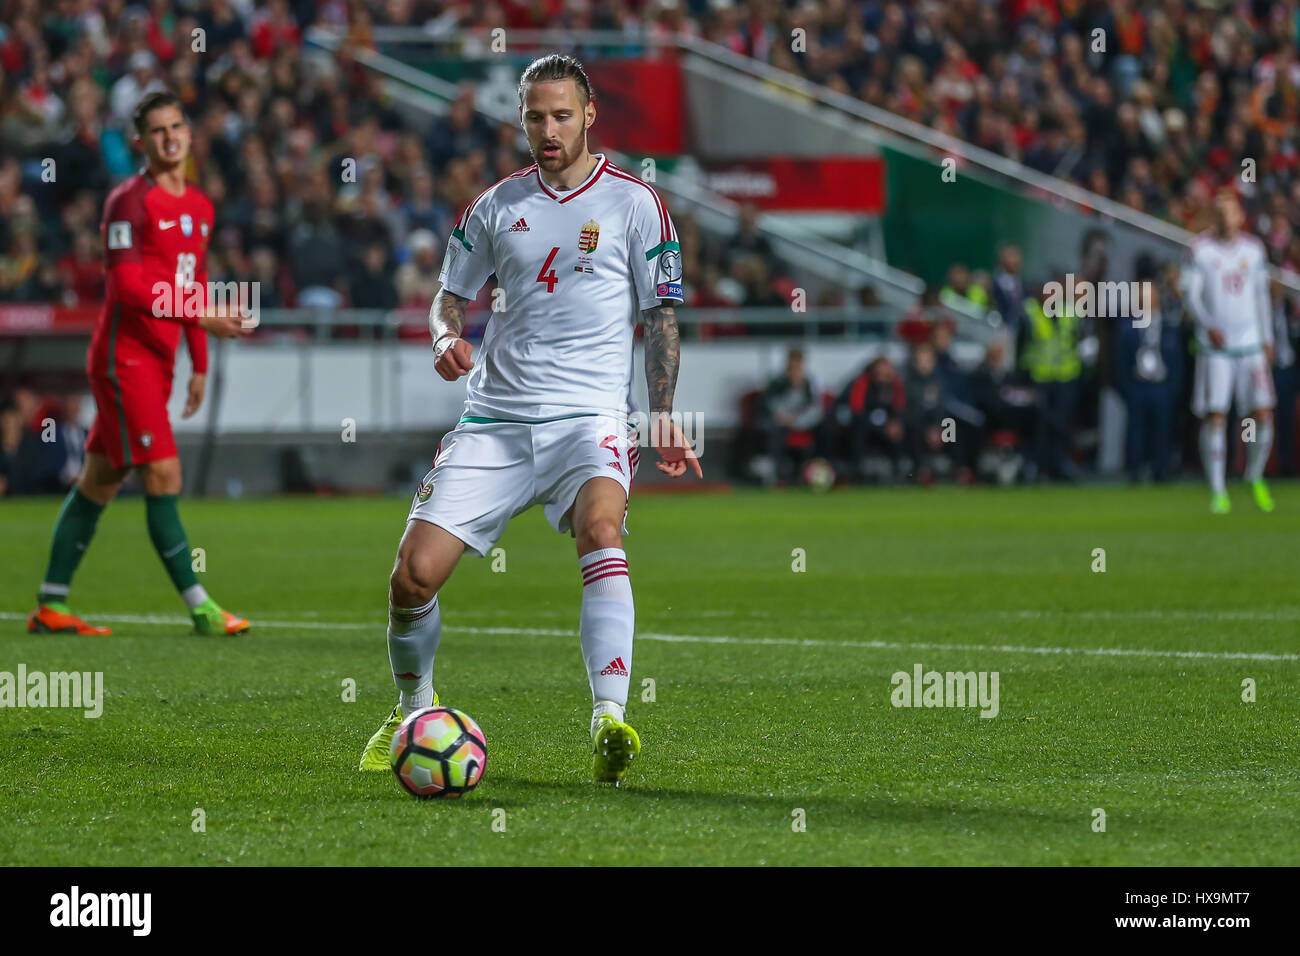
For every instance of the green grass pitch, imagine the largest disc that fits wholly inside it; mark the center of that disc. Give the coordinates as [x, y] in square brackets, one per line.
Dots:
[772, 687]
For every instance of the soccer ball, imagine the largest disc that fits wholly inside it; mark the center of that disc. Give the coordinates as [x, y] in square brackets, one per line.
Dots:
[819, 474]
[438, 752]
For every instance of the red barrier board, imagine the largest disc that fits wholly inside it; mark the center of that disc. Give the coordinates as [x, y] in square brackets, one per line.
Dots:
[853, 184]
[639, 106]
[40, 318]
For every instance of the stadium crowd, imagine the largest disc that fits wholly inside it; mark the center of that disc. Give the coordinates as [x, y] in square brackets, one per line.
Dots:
[327, 197]
[324, 195]
[1152, 104]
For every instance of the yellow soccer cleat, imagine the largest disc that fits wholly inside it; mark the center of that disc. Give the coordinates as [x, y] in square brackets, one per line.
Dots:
[376, 756]
[1263, 500]
[614, 745]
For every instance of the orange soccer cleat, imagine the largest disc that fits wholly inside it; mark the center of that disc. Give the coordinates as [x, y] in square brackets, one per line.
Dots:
[234, 623]
[52, 619]
[210, 618]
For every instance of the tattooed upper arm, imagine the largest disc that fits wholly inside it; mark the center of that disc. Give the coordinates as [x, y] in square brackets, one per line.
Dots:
[662, 354]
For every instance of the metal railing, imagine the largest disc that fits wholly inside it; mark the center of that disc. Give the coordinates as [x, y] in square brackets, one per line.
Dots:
[842, 322]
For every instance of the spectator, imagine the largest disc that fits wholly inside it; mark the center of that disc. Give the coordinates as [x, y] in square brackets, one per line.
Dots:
[461, 132]
[265, 271]
[1286, 381]
[1009, 289]
[318, 260]
[962, 290]
[870, 410]
[141, 78]
[83, 272]
[50, 447]
[967, 419]
[926, 410]
[417, 280]
[788, 415]
[750, 241]
[1000, 394]
[372, 285]
[422, 209]
[275, 30]
[1148, 368]
[11, 433]
[220, 24]
[19, 267]
[72, 436]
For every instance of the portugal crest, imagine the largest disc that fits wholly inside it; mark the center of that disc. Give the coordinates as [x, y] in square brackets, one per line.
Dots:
[589, 236]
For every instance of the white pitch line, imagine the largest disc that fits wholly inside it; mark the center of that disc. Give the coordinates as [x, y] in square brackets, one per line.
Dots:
[378, 627]
[1004, 648]
[1154, 615]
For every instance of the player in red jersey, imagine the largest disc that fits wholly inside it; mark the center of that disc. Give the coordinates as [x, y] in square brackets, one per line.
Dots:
[156, 229]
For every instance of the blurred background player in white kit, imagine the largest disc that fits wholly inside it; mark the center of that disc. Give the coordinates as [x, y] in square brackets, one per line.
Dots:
[1227, 284]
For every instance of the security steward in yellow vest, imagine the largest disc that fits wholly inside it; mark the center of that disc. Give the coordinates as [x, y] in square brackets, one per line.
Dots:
[1051, 357]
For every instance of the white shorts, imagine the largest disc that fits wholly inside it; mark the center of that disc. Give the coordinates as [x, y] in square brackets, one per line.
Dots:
[485, 473]
[1222, 378]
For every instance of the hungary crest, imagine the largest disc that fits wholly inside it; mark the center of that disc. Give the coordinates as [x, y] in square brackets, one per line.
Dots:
[589, 236]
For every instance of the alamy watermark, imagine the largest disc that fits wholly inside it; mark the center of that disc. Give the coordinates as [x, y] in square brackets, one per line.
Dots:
[130, 910]
[690, 424]
[79, 689]
[1100, 300]
[923, 688]
[188, 299]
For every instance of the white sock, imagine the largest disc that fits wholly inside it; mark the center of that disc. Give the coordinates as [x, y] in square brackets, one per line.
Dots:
[1257, 451]
[1214, 447]
[603, 707]
[413, 638]
[194, 595]
[607, 622]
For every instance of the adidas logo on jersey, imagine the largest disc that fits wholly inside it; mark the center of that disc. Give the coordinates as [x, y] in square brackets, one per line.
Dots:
[520, 226]
[615, 667]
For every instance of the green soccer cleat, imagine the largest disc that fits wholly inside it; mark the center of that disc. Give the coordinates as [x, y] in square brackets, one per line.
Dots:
[614, 745]
[1220, 505]
[376, 756]
[209, 618]
[1263, 499]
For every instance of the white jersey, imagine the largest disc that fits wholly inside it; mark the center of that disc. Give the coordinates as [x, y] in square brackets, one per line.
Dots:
[574, 270]
[1227, 289]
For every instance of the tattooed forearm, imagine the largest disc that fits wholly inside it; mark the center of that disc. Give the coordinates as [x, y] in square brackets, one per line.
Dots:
[446, 315]
[662, 355]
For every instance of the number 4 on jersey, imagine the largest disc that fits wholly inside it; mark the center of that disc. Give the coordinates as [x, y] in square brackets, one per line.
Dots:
[550, 278]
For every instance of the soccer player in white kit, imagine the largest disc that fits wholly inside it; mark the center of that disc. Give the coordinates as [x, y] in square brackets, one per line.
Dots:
[579, 248]
[1227, 286]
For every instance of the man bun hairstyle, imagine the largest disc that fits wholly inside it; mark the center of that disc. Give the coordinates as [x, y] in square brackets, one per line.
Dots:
[150, 102]
[557, 66]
